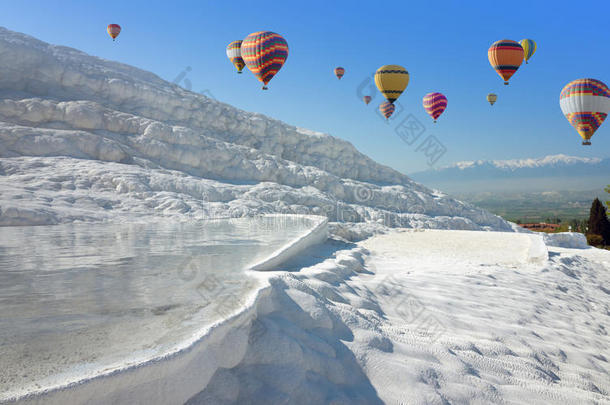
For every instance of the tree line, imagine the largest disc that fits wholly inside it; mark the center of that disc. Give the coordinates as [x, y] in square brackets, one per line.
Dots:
[598, 226]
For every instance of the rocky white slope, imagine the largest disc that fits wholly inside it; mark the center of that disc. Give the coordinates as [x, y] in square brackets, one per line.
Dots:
[82, 138]
[429, 317]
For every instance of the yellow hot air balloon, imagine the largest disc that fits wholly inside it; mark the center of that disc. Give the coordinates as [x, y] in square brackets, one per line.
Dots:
[492, 98]
[391, 80]
[529, 48]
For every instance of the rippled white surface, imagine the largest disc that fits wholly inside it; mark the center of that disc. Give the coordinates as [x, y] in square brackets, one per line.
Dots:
[81, 298]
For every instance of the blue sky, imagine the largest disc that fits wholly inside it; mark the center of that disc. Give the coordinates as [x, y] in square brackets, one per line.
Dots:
[443, 44]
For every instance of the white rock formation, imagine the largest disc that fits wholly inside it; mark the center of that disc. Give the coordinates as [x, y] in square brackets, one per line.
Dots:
[82, 138]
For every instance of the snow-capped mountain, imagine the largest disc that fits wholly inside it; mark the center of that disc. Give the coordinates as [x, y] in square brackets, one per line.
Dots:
[553, 161]
[82, 138]
[554, 172]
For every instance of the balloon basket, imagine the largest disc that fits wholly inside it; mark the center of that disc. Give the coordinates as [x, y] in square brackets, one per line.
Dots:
[586, 142]
[506, 83]
[265, 88]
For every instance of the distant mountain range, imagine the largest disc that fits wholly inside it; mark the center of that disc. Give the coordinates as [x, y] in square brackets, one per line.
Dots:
[549, 173]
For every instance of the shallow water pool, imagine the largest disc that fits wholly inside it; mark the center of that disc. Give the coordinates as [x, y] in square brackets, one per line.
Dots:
[80, 299]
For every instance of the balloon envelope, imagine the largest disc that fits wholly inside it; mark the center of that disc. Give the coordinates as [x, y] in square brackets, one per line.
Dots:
[529, 48]
[113, 30]
[585, 103]
[391, 80]
[435, 104]
[264, 53]
[387, 109]
[339, 72]
[491, 98]
[234, 55]
[367, 99]
[505, 56]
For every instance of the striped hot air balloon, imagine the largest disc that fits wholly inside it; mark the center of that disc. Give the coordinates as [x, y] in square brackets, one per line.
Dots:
[585, 103]
[339, 72]
[264, 53]
[114, 30]
[387, 109]
[435, 104]
[529, 48]
[367, 99]
[391, 80]
[491, 98]
[234, 55]
[505, 57]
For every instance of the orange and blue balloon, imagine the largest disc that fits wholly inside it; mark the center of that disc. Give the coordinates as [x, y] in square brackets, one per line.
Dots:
[435, 104]
[505, 56]
[264, 52]
[387, 109]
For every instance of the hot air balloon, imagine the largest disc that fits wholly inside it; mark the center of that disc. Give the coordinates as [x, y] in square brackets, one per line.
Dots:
[367, 99]
[505, 57]
[387, 109]
[491, 97]
[435, 104]
[264, 53]
[391, 80]
[113, 30]
[339, 72]
[529, 48]
[585, 103]
[234, 55]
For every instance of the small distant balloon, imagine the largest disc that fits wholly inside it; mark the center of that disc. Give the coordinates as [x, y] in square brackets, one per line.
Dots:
[234, 55]
[367, 99]
[491, 98]
[586, 104]
[113, 30]
[529, 48]
[435, 104]
[387, 109]
[339, 72]
[505, 56]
